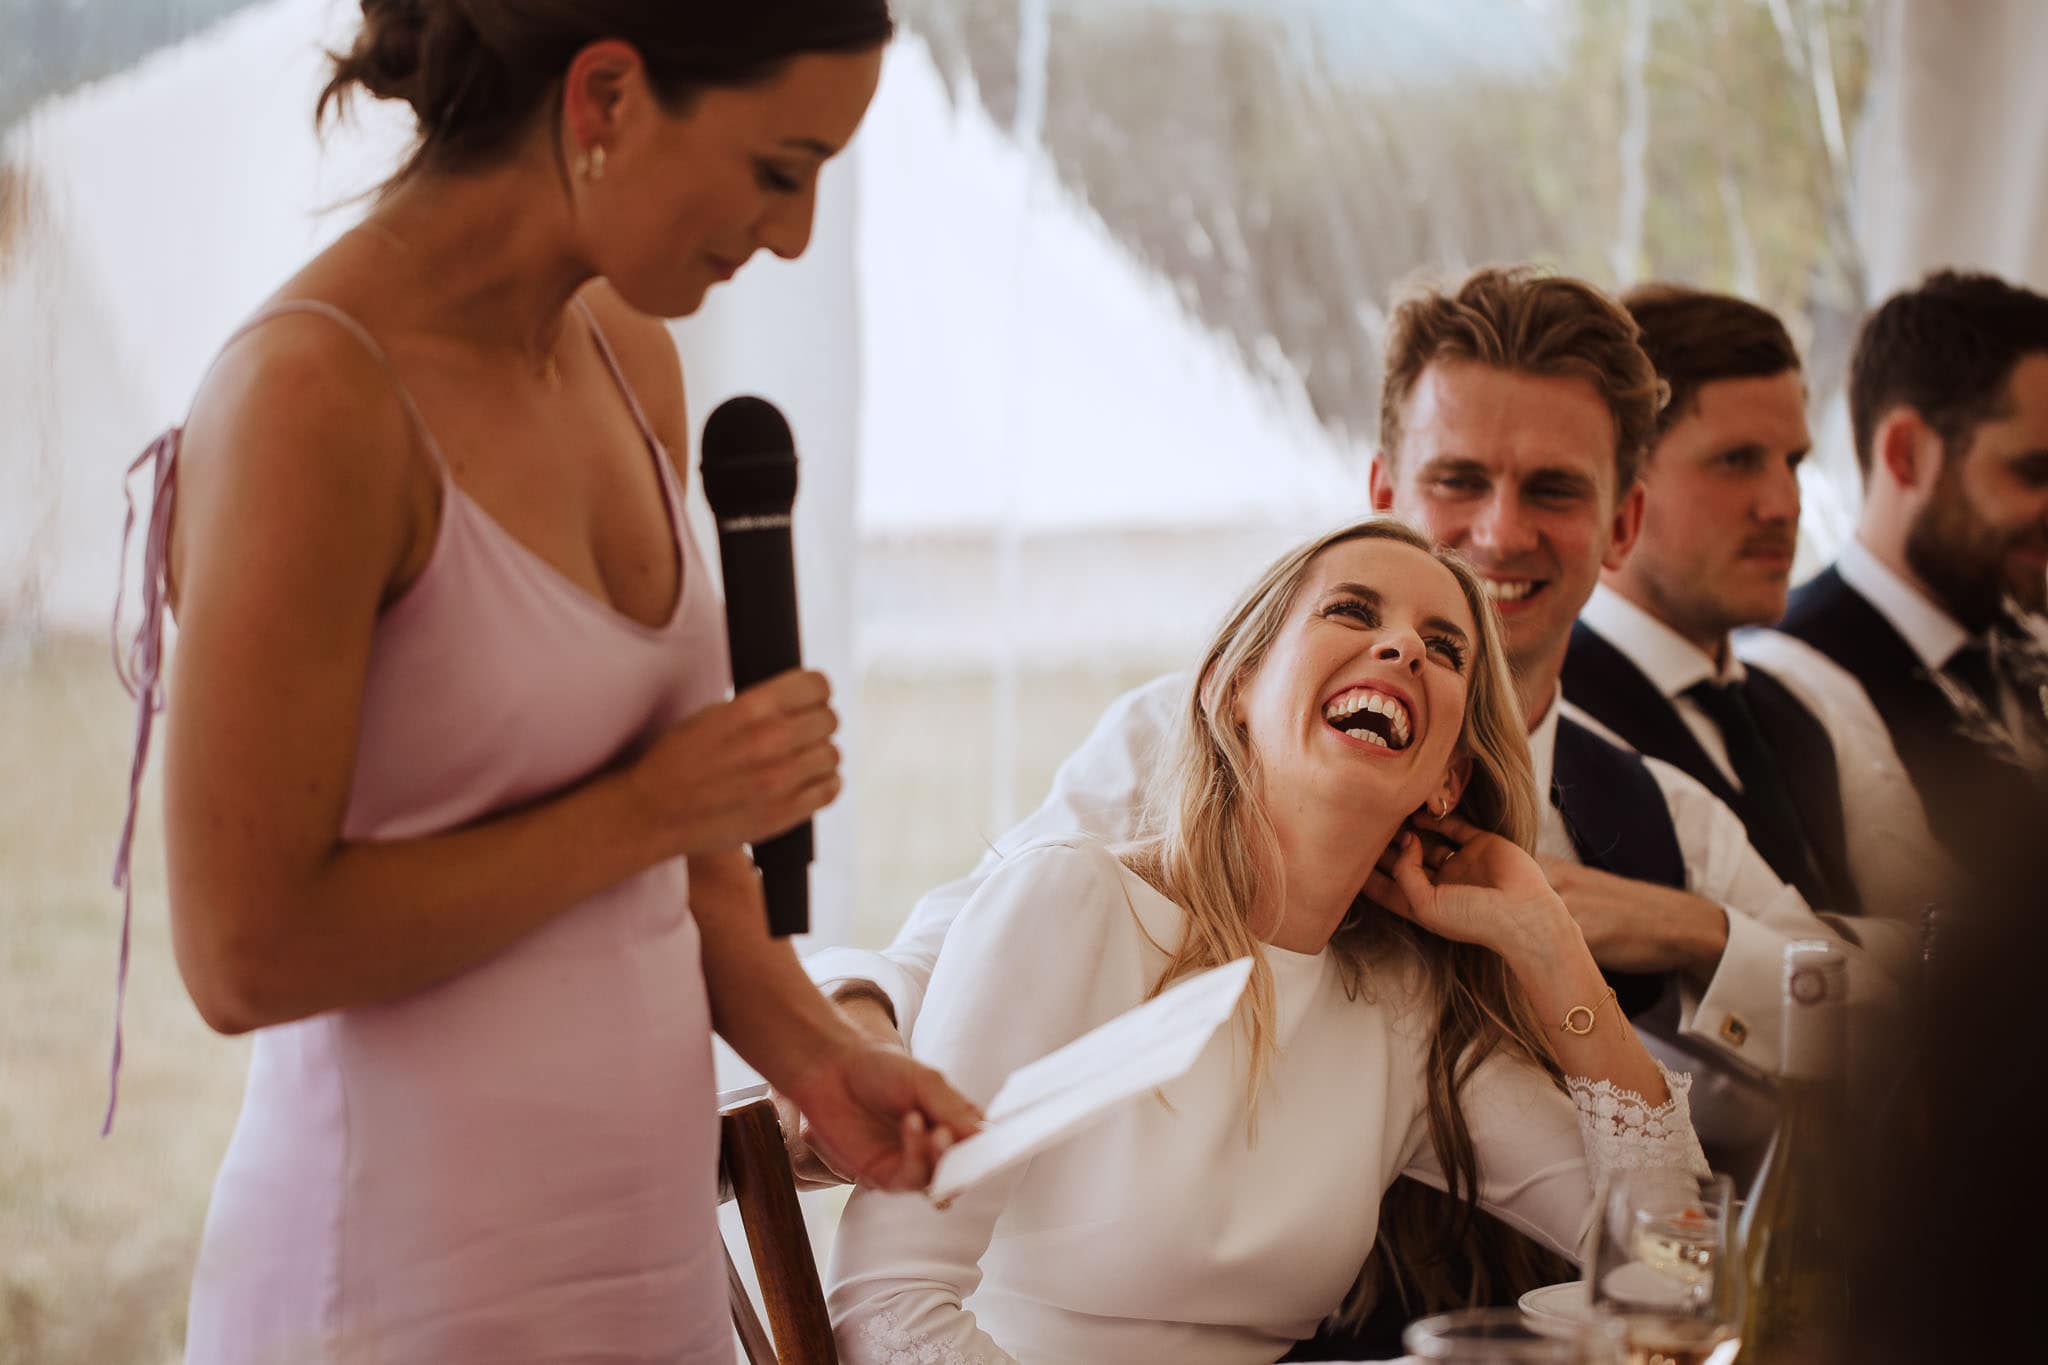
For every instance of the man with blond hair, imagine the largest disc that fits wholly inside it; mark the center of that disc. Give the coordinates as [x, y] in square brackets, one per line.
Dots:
[1516, 412]
[1516, 408]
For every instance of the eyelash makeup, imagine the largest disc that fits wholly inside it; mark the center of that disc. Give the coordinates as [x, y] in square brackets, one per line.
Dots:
[1358, 609]
[1451, 649]
[774, 180]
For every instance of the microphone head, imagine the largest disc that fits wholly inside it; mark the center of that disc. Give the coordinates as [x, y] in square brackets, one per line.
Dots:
[749, 462]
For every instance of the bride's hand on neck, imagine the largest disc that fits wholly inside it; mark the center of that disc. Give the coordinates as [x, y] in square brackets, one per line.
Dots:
[1491, 893]
[1486, 891]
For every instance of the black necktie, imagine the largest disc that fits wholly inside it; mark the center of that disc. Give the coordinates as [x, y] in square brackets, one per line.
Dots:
[1767, 810]
[1971, 666]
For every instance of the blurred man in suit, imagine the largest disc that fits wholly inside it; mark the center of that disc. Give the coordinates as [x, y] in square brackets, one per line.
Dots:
[1948, 398]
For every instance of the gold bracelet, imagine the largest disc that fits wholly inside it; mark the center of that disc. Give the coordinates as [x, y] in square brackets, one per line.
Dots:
[1582, 1029]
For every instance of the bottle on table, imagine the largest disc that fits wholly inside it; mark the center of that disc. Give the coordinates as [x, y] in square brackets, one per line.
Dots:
[1795, 1229]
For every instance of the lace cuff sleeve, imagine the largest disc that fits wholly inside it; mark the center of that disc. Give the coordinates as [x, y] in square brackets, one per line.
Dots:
[883, 1340]
[1625, 1132]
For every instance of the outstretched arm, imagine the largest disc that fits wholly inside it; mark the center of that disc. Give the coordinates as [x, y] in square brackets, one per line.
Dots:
[1097, 792]
[881, 1117]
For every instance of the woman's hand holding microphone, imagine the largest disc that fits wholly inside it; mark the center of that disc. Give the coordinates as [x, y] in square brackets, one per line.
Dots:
[742, 771]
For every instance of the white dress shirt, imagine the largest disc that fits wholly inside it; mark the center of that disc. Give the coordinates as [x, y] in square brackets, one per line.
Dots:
[1173, 1230]
[1892, 854]
[1934, 636]
[1899, 866]
[1672, 663]
[1099, 790]
[1932, 633]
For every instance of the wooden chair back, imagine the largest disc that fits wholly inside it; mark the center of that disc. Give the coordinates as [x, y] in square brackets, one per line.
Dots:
[753, 1170]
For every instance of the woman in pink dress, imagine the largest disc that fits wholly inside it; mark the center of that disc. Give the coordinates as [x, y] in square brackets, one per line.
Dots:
[455, 800]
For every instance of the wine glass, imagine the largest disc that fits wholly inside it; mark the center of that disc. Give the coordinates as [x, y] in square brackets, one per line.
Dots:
[1664, 1262]
[1501, 1336]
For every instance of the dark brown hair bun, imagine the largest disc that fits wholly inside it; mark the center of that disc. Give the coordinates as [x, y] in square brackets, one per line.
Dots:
[475, 71]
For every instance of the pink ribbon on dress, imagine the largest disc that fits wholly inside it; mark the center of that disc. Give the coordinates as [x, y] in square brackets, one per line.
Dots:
[140, 670]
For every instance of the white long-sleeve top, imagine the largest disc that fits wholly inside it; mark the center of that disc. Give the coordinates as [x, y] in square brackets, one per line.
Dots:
[1169, 1230]
[1732, 1018]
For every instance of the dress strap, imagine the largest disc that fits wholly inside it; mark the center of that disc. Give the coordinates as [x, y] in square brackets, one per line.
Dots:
[664, 468]
[369, 343]
[139, 664]
[140, 669]
[611, 362]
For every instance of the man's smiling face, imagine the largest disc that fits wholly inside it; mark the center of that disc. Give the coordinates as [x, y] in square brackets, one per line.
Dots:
[1517, 472]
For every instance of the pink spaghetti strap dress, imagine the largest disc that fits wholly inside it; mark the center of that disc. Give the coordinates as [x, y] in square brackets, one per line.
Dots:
[518, 1164]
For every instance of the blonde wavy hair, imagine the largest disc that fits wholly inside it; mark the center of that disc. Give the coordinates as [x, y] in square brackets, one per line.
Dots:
[1210, 848]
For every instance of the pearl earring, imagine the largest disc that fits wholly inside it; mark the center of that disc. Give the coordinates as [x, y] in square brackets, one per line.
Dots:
[591, 164]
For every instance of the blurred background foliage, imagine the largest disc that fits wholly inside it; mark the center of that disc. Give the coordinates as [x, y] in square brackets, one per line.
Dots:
[1288, 165]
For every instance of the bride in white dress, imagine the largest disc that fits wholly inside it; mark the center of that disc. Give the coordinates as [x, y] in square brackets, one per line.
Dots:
[1349, 804]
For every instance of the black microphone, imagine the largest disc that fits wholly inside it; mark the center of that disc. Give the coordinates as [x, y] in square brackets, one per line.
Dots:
[750, 481]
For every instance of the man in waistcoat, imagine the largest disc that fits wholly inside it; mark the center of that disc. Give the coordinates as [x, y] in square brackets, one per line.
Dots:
[1801, 758]
[1948, 400]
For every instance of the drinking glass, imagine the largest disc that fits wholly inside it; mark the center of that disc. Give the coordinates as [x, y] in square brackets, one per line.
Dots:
[1501, 1336]
[1665, 1264]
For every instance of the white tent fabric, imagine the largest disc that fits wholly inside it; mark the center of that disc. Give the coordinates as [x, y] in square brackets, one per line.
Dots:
[1952, 166]
[170, 200]
[1009, 421]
